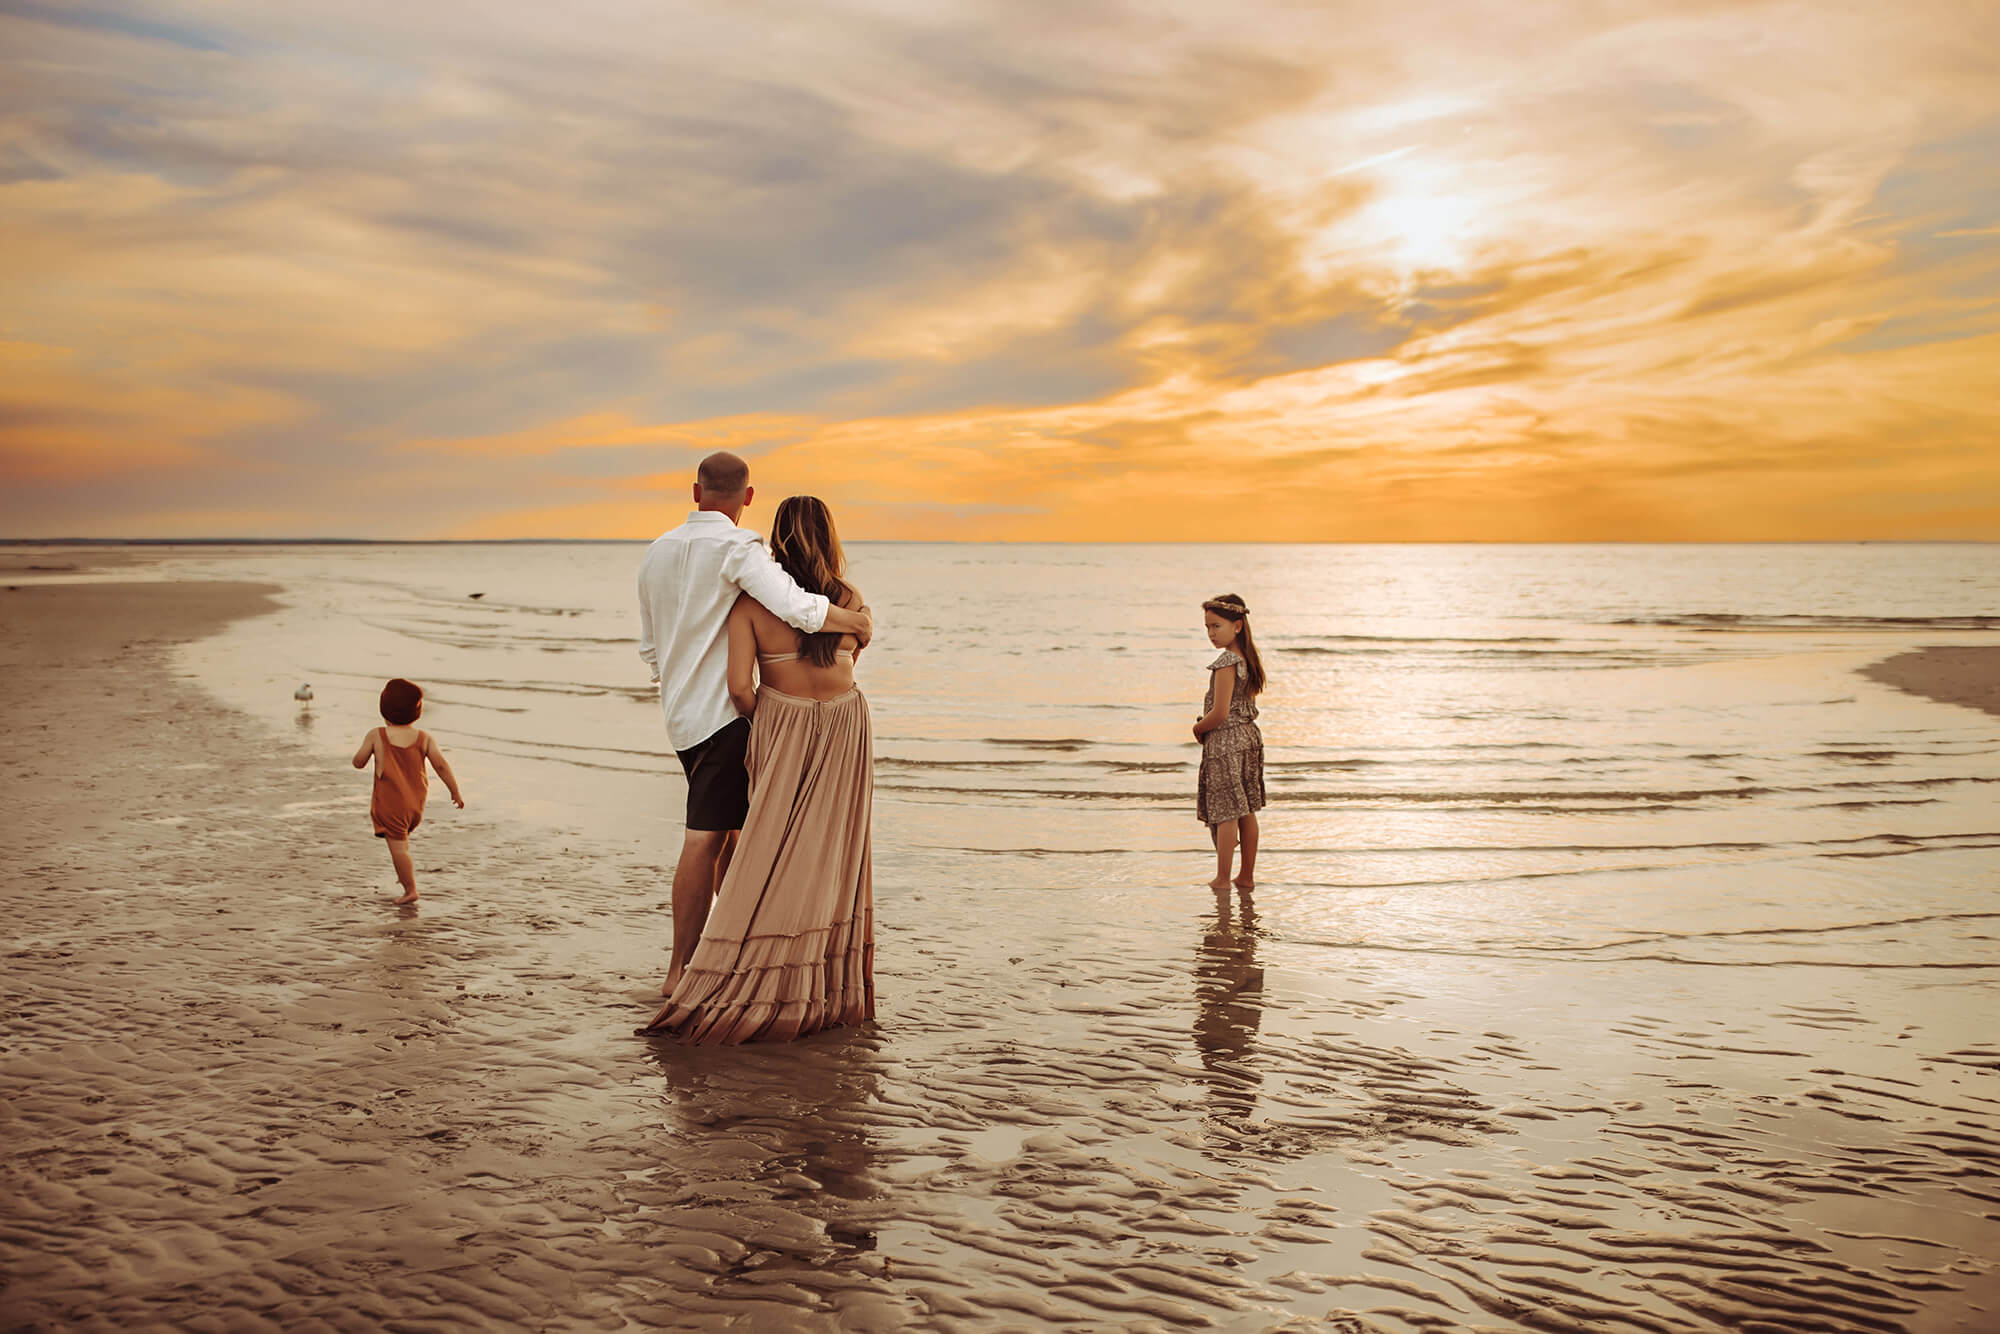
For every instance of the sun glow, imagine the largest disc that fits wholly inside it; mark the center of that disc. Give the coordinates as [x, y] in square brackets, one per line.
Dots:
[1421, 219]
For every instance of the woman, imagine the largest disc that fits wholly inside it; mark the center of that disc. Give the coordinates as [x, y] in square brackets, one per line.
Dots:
[789, 947]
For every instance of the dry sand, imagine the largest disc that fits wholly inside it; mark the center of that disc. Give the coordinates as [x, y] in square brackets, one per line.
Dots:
[241, 1092]
[1968, 675]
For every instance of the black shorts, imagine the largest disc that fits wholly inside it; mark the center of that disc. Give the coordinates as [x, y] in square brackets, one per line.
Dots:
[718, 773]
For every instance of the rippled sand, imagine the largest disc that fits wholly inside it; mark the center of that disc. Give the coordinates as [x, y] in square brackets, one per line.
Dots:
[240, 1090]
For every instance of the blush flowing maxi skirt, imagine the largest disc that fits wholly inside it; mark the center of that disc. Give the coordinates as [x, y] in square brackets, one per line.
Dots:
[789, 947]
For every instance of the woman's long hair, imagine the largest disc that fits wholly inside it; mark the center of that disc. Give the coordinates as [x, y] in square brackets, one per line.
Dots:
[808, 549]
[1232, 608]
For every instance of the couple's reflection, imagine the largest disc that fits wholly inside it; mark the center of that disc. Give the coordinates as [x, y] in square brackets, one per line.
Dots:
[1229, 1005]
[795, 1118]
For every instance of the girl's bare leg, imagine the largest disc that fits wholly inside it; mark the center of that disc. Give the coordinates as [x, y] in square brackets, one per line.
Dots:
[406, 870]
[1247, 877]
[1225, 850]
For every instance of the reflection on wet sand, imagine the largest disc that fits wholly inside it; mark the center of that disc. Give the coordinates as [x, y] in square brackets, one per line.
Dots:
[1229, 1005]
[776, 1143]
[399, 968]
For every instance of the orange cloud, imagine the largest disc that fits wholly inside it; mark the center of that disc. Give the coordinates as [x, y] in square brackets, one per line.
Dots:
[618, 430]
[64, 420]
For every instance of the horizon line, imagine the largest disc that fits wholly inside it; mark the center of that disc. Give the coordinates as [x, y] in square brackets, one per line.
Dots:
[993, 542]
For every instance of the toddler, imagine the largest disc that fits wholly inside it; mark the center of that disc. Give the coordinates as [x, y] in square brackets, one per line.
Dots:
[400, 750]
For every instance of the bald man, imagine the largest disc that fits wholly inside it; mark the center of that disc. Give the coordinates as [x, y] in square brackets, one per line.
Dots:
[688, 581]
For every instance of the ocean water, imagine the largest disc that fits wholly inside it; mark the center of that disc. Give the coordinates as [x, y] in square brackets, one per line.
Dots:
[1617, 946]
[1629, 751]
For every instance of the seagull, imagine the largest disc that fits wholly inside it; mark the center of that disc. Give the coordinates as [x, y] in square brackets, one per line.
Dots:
[303, 692]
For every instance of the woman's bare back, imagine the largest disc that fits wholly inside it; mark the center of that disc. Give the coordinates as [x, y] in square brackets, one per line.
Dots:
[798, 676]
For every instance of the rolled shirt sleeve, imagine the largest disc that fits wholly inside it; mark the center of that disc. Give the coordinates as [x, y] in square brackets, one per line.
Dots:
[750, 567]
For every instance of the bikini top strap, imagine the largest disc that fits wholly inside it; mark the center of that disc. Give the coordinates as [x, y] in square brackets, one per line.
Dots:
[846, 653]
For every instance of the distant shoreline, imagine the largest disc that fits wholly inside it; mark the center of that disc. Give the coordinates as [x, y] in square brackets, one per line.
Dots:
[921, 542]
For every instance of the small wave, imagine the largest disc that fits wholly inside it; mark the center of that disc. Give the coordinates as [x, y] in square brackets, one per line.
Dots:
[1428, 639]
[560, 745]
[1573, 656]
[1496, 796]
[1720, 620]
[468, 637]
[890, 762]
[647, 693]
[1838, 928]
[1523, 954]
[1875, 784]
[570, 761]
[1036, 743]
[1269, 852]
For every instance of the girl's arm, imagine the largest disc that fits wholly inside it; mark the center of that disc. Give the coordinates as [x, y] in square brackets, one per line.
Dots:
[1225, 689]
[742, 657]
[362, 756]
[436, 757]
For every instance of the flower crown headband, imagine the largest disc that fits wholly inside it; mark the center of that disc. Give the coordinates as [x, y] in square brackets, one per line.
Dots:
[1234, 611]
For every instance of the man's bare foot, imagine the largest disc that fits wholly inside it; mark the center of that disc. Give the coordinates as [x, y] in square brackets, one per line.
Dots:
[1220, 882]
[410, 897]
[1244, 884]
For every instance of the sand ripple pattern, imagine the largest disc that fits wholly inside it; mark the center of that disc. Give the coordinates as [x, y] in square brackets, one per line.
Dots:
[239, 1093]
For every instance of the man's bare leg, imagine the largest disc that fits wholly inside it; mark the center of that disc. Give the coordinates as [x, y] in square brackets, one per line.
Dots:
[722, 861]
[1247, 877]
[694, 890]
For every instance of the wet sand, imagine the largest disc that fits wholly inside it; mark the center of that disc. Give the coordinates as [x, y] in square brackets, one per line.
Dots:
[240, 1091]
[1968, 675]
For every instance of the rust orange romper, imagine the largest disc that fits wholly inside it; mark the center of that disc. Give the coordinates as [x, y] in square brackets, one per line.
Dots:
[400, 787]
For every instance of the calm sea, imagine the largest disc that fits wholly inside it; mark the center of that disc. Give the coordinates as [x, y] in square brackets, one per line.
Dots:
[1644, 751]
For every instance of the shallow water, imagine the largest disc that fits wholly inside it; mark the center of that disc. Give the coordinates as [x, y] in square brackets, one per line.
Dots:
[1620, 957]
[1622, 751]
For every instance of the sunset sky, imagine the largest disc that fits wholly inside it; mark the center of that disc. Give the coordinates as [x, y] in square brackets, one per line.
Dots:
[1577, 270]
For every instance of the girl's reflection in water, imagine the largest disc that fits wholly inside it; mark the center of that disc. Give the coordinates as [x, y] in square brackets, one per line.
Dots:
[1229, 1004]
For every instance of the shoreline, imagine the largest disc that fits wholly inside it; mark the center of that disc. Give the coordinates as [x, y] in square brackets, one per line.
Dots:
[1966, 675]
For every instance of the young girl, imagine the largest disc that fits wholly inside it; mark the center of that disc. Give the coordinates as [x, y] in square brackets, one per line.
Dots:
[1232, 749]
[399, 751]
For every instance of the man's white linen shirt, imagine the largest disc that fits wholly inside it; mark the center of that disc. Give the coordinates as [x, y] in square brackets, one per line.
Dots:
[687, 584]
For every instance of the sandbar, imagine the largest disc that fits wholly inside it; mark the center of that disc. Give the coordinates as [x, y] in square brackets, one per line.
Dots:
[1963, 674]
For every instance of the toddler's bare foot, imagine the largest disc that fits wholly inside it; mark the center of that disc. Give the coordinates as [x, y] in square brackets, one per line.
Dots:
[410, 897]
[1220, 882]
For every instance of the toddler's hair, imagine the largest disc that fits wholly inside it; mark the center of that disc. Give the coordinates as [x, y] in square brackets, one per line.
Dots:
[400, 702]
[1231, 607]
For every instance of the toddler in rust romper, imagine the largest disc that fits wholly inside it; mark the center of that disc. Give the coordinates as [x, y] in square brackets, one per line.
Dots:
[399, 751]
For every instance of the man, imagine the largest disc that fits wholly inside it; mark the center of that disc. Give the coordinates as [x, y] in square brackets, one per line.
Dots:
[688, 581]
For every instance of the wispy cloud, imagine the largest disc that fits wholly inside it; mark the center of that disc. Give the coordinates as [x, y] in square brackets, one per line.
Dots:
[974, 270]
